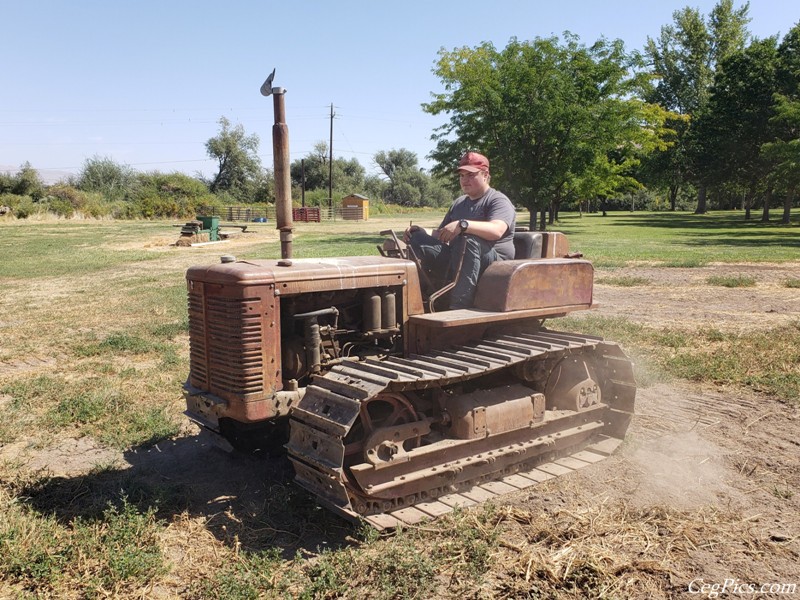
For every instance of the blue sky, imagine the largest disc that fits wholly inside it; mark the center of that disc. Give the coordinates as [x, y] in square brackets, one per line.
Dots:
[145, 83]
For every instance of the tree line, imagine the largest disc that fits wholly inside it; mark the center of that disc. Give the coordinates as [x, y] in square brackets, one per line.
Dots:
[106, 188]
[703, 117]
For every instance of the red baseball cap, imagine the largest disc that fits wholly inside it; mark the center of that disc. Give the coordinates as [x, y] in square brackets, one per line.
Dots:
[473, 162]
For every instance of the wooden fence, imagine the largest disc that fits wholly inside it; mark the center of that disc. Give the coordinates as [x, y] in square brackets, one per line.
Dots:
[309, 214]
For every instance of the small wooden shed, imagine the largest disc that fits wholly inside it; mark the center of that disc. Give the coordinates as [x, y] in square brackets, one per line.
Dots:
[355, 207]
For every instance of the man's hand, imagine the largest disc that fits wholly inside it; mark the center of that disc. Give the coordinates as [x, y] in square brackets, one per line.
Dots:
[449, 232]
[407, 233]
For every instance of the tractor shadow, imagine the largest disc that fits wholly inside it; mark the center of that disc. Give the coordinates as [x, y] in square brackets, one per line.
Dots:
[246, 501]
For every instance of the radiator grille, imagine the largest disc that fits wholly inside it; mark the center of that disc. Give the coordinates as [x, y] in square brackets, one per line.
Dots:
[226, 349]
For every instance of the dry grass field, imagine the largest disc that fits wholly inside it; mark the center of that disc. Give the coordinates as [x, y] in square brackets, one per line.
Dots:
[107, 491]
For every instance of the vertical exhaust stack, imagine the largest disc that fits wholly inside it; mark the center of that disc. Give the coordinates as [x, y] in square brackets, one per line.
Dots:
[280, 150]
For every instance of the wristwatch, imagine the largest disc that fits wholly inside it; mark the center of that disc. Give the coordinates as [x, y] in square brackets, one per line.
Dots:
[463, 224]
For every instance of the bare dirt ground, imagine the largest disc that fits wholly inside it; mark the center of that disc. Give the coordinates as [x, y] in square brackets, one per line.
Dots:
[716, 472]
[680, 297]
[728, 459]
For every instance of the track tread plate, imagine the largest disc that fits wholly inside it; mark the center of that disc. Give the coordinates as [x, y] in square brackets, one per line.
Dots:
[429, 371]
[499, 487]
[345, 385]
[448, 366]
[383, 521]
[457, 500]
[375, 369]
[434, 508]
[555, 469]
[355, 373]
[518, 481]
[479, 494]
[588, 456]
[410, 515]
[536, 476]
[605, 447]
[508, 348]
[404, 372]
[571, 462]
[455, 362]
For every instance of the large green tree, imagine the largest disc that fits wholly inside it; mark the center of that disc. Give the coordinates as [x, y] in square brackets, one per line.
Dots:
[783, 153]
[238, 165]
[315, 170]
[26, 182]
[556, 118]
[739, 121]
[684, 59]
[407, 183]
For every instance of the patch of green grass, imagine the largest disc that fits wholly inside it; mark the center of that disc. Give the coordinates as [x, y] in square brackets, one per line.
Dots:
[33, 547]
[36, 250]
[84, 408]
[129, 545]
[118, 343]
[677, 239]
[731, 281]
[672, 338]
[403, 571]
[792, 283]
[623, 281]
[171, 359]
[712, 334]
[330, 245]
[783, 492]
[691, 262]
[24, 392]
[472, 540]
[610, 263]
[618, 329]
[455, 551]
[167, 331]
[765, 361]
[249, 578]
[98, 406]
[145, 426]
[451, 555]
[399, 570]
[111, 558]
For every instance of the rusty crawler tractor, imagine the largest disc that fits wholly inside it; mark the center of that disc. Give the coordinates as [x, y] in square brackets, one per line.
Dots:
[396, 413]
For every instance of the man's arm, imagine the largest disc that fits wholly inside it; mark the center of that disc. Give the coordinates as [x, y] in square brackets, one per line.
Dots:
[413, 229]
[487, 230]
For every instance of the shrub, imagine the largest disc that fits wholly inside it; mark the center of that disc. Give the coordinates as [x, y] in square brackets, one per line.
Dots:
[792, 283]
[96, 206]
[731, 281]
[60, 207]
[21, 207]
[172, 195]
[107, 177]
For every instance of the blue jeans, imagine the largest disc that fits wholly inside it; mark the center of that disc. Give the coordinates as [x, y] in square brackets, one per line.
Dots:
[440, 262]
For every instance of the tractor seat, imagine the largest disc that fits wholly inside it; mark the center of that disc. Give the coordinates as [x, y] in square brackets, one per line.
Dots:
[527, 244]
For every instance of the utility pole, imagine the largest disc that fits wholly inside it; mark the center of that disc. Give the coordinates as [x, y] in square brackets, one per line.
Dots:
[330, 166]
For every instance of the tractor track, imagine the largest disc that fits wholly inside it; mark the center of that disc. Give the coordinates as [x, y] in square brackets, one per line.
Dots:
[332, 404]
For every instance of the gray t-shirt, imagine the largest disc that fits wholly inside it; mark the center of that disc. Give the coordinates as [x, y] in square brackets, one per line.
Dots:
[492, 205]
